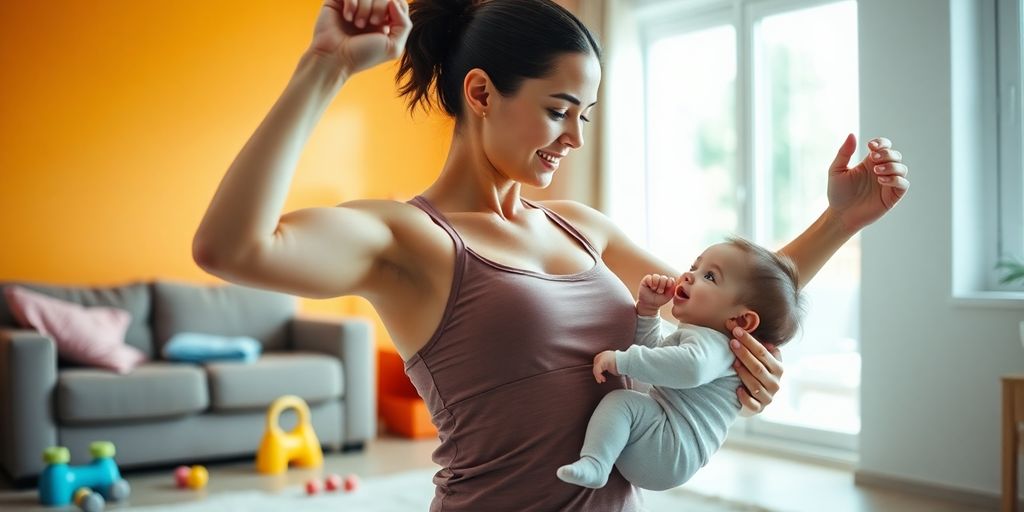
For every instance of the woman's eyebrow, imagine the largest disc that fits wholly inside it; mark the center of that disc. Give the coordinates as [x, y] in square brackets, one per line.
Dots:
[571, 99]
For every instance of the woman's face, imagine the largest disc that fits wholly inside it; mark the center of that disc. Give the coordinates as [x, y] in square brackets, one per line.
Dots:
[526, 135]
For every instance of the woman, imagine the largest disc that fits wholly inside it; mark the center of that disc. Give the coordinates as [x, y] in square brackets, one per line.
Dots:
[497, 304]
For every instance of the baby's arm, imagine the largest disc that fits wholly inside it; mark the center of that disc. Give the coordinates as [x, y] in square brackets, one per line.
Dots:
[655, 291]
[695, 360]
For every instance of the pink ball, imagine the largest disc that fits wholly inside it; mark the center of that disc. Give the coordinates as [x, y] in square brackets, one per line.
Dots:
[333, 482]
[312, 487]
[351, 482]
[181, 476]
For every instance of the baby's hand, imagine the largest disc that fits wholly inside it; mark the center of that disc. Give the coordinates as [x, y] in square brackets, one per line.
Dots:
[655, 291]
[605, 362]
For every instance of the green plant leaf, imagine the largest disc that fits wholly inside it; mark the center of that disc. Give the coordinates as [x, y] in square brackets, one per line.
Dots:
[1015, 271]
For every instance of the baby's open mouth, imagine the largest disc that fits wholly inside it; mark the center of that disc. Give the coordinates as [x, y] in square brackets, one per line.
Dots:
[680, 293]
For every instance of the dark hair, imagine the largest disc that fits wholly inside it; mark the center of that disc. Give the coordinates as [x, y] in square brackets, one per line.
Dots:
[511, 40]
[772, 291]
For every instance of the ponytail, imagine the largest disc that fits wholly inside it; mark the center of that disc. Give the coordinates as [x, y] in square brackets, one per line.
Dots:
[511, 40]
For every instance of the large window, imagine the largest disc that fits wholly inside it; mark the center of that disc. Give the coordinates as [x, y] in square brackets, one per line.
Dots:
[1009, 69]
[746, 103]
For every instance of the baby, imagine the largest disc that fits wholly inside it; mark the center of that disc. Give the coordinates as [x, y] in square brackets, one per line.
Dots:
[659, 439]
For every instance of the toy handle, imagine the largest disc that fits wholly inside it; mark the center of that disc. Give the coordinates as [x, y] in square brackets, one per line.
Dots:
[280, 405]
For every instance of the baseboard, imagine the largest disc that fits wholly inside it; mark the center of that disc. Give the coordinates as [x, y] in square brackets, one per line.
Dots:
[979, 499]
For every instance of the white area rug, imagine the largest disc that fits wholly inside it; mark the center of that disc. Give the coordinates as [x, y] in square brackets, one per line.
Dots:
[409, 491]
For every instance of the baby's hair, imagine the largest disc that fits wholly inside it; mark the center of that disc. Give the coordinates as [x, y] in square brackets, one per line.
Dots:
[772, 291]
[511, 40]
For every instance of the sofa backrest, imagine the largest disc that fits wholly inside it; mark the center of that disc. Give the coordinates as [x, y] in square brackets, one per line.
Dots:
[227, 310]
[134, 298]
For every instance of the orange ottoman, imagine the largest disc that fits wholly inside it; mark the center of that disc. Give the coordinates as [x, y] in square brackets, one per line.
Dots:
[400, 407]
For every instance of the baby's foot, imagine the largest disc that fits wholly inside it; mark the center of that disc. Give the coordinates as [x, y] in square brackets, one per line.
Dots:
[586, 472]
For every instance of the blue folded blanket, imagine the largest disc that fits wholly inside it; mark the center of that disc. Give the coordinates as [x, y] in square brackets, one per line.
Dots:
[195, 347]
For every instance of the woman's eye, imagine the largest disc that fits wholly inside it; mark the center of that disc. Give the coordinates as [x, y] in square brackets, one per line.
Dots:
[710, 276]
[693, 267]
[556, 115]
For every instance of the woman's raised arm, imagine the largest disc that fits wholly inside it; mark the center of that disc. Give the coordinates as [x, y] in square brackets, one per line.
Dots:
[857, 196]
[243, 236]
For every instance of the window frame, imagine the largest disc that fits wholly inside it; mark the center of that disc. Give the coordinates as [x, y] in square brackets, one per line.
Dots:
[1009, 94]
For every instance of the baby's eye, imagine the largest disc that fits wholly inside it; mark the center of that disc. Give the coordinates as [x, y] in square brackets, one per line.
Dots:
[710, 276]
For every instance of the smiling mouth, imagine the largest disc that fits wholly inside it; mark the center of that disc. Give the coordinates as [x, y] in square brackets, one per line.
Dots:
[549, 159]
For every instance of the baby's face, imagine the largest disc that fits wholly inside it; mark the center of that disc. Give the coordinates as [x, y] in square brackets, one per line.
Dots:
[707, 295]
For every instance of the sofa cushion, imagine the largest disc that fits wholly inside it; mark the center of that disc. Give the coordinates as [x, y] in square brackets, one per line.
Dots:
[90, 336]
[313, 377]
[197, 347]
[153, 390]
[133, 298]
[227, 310]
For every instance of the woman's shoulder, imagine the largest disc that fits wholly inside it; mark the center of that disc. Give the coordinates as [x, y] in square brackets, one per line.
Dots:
[393, 212]
[594, 224]
[411, 226]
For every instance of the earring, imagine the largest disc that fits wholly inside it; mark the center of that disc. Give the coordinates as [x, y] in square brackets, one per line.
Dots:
[484, 114]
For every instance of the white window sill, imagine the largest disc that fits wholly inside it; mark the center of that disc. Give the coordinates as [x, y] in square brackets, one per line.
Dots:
[989, 300]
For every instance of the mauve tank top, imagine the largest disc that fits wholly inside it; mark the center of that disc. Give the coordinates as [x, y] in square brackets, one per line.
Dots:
[508, 382]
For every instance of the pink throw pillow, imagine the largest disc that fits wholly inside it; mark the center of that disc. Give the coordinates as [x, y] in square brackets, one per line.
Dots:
[90, 336]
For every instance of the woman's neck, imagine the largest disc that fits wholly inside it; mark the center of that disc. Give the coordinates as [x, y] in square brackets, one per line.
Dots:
[469, 183]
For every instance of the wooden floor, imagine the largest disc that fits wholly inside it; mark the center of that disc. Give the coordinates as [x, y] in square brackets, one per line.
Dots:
[772, 482]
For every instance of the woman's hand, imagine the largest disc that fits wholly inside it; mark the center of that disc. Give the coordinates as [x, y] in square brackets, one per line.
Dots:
[861, 194]
[759, 367]
[361, 33]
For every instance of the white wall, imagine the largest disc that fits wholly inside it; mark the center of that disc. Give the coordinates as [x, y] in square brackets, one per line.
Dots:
[931, 368]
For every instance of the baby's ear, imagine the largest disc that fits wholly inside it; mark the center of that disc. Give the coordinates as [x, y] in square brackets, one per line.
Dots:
[748, 320]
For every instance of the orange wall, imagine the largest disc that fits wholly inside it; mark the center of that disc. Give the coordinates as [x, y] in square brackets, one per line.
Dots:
[119, 118]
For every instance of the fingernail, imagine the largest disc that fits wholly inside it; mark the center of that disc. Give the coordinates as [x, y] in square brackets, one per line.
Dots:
[876, 156]
[373, 19]
[734, 344]
[879, 169]
[737, 331]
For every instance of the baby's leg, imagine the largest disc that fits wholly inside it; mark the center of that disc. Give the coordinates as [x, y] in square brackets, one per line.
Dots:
[620, 419]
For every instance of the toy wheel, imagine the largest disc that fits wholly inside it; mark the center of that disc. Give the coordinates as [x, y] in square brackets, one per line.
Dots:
[119, 490]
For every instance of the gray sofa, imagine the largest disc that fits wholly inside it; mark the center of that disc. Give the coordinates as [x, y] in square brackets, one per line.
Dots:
[163, 412]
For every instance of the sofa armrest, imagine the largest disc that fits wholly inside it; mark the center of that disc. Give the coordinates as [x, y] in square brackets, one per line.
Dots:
[28, 377]
[350, 340]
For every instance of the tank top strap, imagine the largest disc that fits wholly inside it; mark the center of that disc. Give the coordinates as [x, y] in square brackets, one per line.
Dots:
[460, 267]
[575, 233]
[439, 219]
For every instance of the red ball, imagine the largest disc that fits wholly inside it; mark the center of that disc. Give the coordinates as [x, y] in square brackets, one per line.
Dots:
[181, 476]
[351, 483]
[333, 482]
[312, 487]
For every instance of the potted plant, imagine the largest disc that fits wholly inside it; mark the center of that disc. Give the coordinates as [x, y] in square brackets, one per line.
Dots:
[1014, 269]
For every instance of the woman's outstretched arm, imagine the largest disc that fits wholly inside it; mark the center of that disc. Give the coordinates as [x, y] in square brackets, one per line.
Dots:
[857, 196]
[243, 236]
